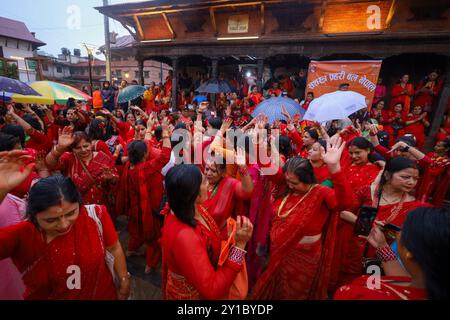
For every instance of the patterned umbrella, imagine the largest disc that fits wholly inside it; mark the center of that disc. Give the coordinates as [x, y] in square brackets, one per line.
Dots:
[130, 93]
[214, 86]
[16, 86]
[58, 92]
[273, 107]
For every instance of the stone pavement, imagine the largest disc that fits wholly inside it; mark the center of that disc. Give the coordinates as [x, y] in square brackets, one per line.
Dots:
[143, 286]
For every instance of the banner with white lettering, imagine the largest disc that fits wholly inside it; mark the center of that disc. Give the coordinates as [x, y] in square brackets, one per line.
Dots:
[327, 76]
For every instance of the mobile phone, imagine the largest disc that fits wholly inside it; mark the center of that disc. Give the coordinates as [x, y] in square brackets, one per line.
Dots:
[365, 221]
[390, 231]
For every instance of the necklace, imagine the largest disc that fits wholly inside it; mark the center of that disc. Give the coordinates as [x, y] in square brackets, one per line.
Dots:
[295, 206]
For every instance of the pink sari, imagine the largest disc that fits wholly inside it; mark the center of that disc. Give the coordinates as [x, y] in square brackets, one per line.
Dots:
[12, 211]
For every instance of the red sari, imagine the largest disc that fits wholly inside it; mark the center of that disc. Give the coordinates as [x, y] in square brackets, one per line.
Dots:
[426, 99]
[360, 177]
[399, 97]
[417, 129]
[222, 200]
[296, 270]
[44, 266]
[435, 180]
[140, 194]
[394, 125]
[389, 290]
[93, 191]
[190, 258]
[351, 266]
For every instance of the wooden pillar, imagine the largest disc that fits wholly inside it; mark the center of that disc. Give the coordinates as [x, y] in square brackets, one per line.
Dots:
[260, 74]
[214, 75]
[175, 84]
[141, 71]
[215, 68]
[440, 109]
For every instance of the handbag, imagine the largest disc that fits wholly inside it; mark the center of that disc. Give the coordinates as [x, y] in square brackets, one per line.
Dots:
[239, 288]
[109, 258]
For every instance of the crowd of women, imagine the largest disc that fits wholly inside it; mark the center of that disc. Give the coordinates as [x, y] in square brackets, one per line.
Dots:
[222, 228]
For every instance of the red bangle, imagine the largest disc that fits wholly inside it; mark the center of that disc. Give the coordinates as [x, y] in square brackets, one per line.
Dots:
[385, 254]
[237, 255]
[243, 171]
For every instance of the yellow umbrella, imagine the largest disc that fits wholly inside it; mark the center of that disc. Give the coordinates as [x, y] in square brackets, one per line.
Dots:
[18, 98]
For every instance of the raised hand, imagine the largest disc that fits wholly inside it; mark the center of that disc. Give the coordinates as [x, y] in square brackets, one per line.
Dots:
[240, 157]
[332, 156]
[226, 125]
[285, 113]
[15, 167]
[66, 138]
[398, 145]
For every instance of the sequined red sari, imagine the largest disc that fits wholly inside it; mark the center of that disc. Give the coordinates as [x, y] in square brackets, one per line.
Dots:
[302, 271]
[390, 289]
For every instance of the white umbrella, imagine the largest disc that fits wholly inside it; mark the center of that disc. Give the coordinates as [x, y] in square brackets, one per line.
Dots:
[336, 105]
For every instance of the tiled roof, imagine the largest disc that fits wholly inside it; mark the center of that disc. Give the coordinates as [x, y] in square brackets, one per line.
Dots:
[17, 30]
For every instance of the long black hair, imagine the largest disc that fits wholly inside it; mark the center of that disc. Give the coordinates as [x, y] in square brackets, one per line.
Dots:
[16, 131]
[426, 234]
[97, 129]
[182, 188]
[136, 151]
[8, 142]
[49, 192]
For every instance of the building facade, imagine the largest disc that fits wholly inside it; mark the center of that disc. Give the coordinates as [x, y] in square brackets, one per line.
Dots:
[18, 51]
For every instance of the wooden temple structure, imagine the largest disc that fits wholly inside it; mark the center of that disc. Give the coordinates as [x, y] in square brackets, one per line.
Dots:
[180, 32]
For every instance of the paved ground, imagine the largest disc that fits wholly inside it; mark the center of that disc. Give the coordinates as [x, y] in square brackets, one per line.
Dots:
[143, 286]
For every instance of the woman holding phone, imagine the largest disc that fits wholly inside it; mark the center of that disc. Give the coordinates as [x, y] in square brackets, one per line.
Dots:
[390, 194]
[422, 273]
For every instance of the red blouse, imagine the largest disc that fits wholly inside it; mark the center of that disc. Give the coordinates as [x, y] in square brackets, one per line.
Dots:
[45, 266]
[190, 256]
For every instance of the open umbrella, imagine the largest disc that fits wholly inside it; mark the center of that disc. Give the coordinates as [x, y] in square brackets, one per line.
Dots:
[214, 86]
[336, 105]
[58, 92]
[130, 93]
[18, 98]
[15, 86]
[273, 107]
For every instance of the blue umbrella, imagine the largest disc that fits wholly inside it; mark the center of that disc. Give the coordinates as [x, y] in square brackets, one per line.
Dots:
[16, 86]
[130, 93]
[200, 99]
[214, 86]
[272, 108]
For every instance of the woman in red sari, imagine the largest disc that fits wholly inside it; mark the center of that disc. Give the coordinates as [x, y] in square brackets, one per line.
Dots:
[390, 193]
[361, 174]
[302, 232]
[436, 178]
[93, 173]
[223, 191]
[321, 171]
[395, 123]
[427, 91]
[191, 241]
[60, 250]
[255, 96]
[423, 273]
[303, 143]
[378, 112]
[416, 122]
[401, 93]
[140, 194]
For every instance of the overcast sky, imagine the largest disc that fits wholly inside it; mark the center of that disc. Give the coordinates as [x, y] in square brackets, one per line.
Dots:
[56, 22]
